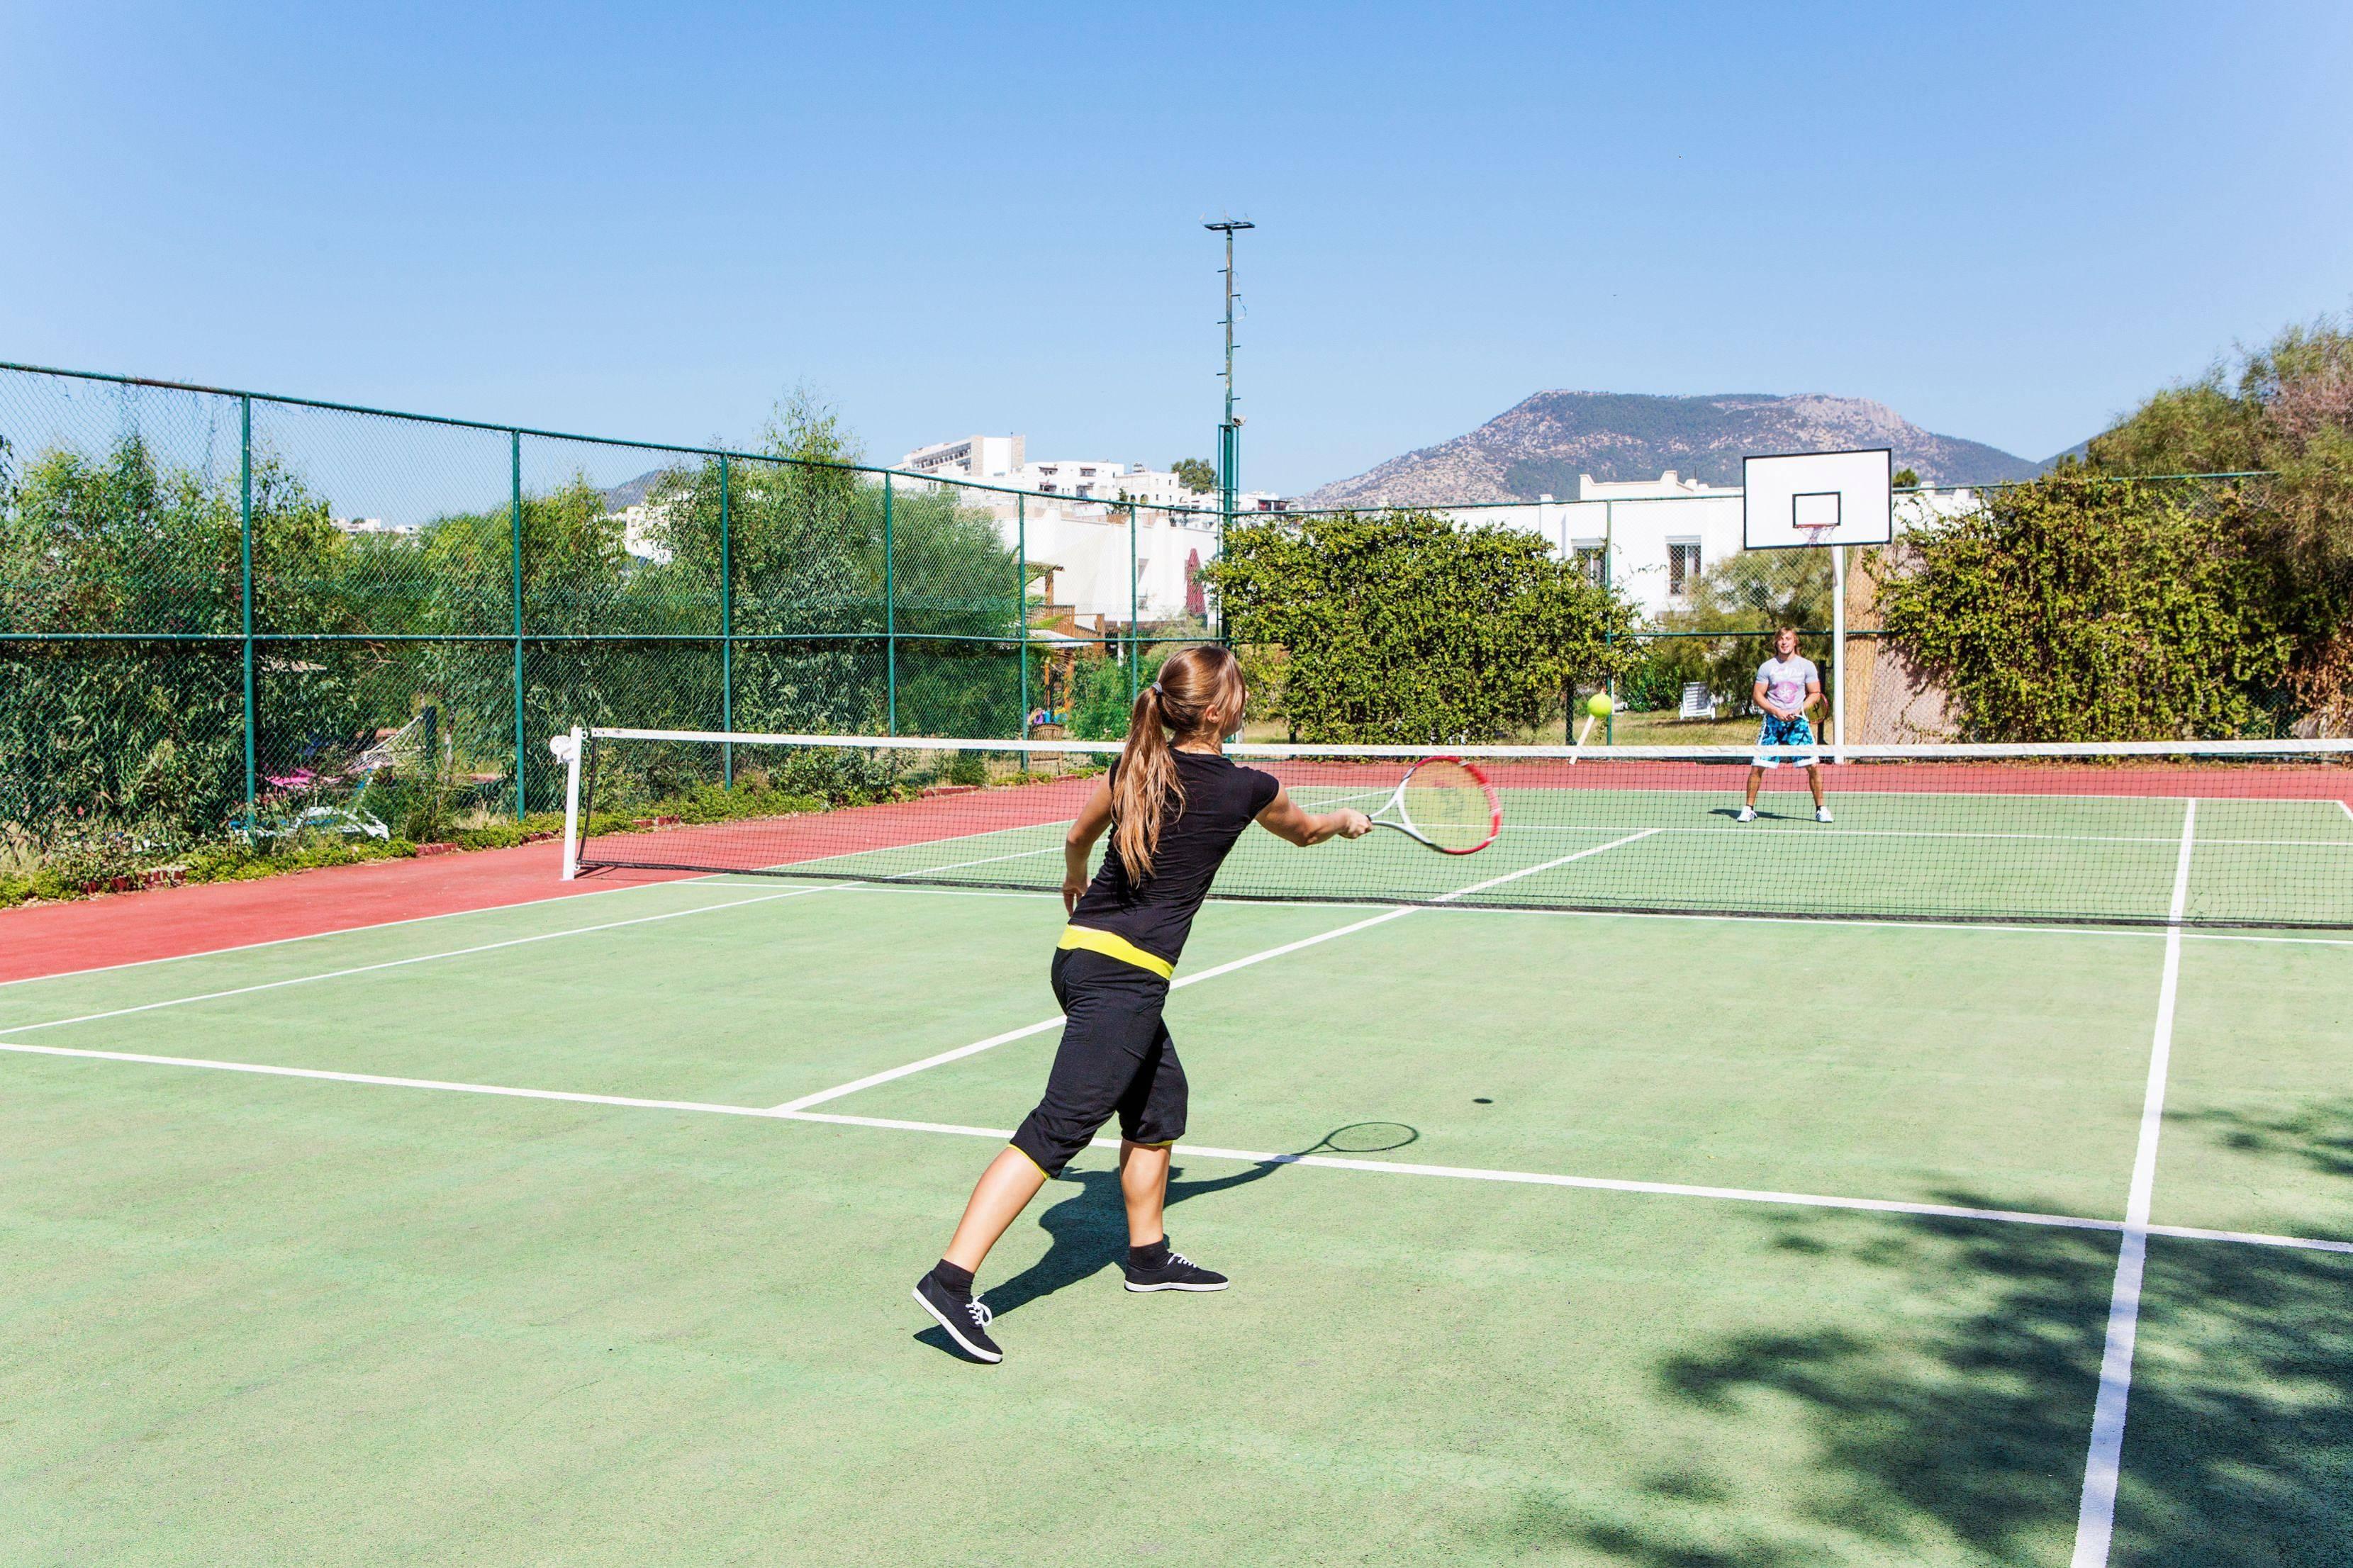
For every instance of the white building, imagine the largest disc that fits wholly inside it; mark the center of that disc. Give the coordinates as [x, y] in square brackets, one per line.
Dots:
[1660, 534]
[987, 457]
[1067, 513]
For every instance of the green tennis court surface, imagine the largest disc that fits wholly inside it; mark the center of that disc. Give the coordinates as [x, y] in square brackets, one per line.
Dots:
[1623, 1299]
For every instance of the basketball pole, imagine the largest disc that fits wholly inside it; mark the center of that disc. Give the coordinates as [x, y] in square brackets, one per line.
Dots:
[1837, 652]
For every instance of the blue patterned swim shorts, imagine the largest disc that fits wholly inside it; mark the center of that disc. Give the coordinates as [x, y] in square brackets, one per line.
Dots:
[1796, 731]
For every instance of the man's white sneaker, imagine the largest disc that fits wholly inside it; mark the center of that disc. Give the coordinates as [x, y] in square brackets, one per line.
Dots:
[1748, 814]
[1821, 814]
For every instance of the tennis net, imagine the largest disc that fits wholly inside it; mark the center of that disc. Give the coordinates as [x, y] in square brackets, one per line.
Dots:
[2249, 832]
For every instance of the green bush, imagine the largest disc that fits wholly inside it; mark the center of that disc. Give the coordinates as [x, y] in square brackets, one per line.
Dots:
[2078, 609]
[1407, 626]
[1101, 705]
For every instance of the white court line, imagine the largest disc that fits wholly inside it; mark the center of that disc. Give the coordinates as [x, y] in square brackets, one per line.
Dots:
[1042, 1025]
[953, 866]
[2346, 807]
[1247, 1156]
[414, 958]
[382, 1080]
[2095, 1515]
[710, 879]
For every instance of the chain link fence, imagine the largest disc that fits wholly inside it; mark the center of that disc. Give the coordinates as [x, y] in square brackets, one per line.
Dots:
[230, 616]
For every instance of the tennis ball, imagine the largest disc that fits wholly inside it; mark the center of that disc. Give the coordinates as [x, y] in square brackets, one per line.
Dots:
[1599, 705]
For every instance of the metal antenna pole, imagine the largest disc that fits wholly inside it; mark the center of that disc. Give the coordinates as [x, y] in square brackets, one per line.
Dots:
[1230, 442]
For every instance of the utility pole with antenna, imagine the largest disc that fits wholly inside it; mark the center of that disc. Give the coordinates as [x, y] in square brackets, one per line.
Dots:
[1229, 431]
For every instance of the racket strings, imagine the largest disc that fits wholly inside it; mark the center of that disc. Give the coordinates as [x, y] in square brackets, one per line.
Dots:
[1449, 805]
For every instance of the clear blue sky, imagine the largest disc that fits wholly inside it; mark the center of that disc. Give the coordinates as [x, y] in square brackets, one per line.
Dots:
[2009, 222]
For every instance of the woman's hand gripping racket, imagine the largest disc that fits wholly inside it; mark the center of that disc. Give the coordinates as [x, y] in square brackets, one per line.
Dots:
[1446, 804]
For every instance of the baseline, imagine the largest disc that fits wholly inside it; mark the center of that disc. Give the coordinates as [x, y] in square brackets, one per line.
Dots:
[1205, 1151]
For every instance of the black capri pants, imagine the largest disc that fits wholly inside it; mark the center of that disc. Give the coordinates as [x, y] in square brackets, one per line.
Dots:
[1115, 1056]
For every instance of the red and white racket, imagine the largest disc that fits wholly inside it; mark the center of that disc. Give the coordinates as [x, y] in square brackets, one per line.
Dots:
[1447, 804]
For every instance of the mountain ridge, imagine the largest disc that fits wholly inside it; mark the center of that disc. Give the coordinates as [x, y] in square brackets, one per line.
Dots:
[1540, 445]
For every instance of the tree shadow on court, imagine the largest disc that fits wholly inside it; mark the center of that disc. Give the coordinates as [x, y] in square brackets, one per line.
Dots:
[2318, 1136]
[1955, 1425]
[1087, 1231]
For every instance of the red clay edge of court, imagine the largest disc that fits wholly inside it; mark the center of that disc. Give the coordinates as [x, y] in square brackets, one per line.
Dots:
[178, 922]
[175, 922]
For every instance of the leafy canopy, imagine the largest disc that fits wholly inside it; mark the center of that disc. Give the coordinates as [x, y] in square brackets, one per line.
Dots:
[2285, 409]
[1197, 474]
[1404, 626]
[2074, 608]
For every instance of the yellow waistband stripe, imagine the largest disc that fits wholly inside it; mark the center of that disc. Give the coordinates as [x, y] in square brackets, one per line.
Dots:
[1117, 947]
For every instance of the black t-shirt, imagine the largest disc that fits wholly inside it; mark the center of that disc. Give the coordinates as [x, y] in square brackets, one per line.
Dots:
[1221, 799]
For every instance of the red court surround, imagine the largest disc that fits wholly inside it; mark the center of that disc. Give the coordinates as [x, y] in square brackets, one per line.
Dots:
[169, 922]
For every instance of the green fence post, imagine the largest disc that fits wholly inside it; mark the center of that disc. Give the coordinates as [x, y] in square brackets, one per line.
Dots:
[514, 533]
[726, 631]
[1022, 599]
[1134, 610]
[890, 618]
[245, 550]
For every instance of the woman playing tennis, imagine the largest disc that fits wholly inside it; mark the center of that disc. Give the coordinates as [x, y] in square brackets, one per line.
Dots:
[1175, 805]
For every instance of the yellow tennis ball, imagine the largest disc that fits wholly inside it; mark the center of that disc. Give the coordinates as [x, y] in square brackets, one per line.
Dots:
[1599, 705]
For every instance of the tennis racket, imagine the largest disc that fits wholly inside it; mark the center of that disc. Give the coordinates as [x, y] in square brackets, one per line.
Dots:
[1446, 804]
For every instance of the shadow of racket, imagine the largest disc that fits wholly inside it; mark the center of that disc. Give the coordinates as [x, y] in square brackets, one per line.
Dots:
[1362, 1138]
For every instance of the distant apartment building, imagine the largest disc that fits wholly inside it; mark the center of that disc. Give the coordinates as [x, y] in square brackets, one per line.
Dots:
[990, 459]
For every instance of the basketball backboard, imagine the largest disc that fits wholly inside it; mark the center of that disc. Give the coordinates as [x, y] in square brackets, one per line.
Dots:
[1796, 499]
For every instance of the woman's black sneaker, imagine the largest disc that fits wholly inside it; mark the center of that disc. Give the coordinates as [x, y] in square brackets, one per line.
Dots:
[964, 1317]
[1176, 1272]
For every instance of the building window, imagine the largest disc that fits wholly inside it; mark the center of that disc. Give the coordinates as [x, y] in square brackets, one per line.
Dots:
[1047, 489]
[1086, 473]
[1588, 557]
[1682, 566]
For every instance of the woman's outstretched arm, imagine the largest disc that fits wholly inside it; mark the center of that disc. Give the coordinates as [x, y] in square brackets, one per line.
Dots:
[1284, 818]
[1079, 842]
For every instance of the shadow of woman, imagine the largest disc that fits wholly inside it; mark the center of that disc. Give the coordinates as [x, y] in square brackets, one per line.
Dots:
[1089, 1229]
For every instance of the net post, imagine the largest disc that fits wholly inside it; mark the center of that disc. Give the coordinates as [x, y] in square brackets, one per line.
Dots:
[1837, 652]
[571, 754]
[514, 500]
[244, 549]
[726, 631]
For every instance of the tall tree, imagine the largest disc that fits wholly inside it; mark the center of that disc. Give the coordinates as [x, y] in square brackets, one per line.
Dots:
[2286, 410]
[1197, 474]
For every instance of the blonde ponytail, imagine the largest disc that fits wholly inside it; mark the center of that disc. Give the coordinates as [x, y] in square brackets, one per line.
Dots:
[1199, 690]
[1147, 778]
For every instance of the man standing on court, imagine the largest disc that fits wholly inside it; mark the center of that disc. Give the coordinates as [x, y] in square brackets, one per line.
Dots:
[1787, 685]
